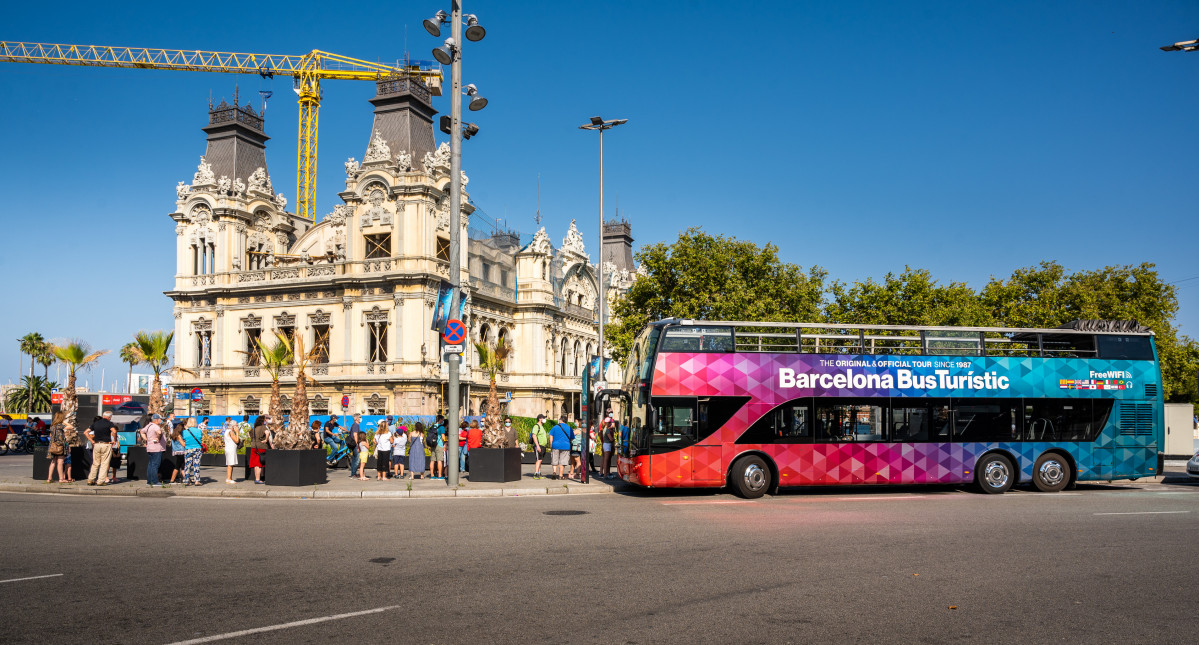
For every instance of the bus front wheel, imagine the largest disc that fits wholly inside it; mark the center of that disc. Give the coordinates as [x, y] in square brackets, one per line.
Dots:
[1051, 473]
[750, 477]
[994, 474]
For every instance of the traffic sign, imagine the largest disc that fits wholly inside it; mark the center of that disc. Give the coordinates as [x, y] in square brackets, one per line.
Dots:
[198, 394]
[455, 332]
[453, 349]
[345, 401]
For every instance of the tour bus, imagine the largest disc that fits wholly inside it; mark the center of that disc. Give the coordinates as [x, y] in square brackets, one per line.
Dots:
[757, 406]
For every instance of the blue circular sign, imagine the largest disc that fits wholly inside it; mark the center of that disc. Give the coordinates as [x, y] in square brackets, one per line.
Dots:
[455, 332]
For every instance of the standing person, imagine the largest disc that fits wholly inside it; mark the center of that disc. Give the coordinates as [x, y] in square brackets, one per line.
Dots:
[154, 449]
[193, 447]
[258, 445]
[437, 469]
[416, 451]
[204, 426]
[608, 439]
[354, 438]
[399, 451]
[57, 440]
[462, 449]
[114, 466]
[364, 452]
[538, 440]
[576, 451]
[232, 442]
[560, 446]
[382, 451]
[101, 433]
[178, 450]
[315, 432]
[474, 436]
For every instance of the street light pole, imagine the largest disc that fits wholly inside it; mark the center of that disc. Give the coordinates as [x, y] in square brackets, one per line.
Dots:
[597, 123]
[455, 232]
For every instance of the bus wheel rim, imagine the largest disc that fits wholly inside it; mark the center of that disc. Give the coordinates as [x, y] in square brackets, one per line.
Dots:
[755, 477]
[996, 474]
[1052, 472]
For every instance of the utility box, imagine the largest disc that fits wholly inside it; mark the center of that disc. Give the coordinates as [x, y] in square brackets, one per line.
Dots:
[1180, 430]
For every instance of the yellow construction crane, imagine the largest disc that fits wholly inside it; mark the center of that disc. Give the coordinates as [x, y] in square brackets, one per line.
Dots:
[307, 70]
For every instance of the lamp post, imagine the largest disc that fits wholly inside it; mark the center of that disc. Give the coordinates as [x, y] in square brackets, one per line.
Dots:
[599, 124]
[451, 54]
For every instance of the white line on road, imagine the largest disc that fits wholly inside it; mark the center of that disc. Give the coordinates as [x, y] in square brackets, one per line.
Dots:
[877, 499]
[1146, 513]
[298, 623]
[718, 501]
[52, 575]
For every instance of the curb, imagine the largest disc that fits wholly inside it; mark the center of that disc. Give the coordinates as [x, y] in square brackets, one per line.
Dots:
[296, 493]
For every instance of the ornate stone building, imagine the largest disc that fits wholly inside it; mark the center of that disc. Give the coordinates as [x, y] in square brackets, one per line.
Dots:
[361, 285]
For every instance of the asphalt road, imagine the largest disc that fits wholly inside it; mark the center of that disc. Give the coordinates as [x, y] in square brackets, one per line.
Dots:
[1103, 564]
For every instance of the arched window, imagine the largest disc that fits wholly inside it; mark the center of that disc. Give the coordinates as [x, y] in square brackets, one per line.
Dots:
[563, 357]
[485, 334]
[502, 336]
[577, 358]
[587, 357]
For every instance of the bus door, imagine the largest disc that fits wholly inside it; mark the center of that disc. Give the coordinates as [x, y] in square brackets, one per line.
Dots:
[622, 411]
[705, 457]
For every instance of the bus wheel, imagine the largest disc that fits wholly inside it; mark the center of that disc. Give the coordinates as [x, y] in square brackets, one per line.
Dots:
[750, 477]
[1051, 473]
[994, 474]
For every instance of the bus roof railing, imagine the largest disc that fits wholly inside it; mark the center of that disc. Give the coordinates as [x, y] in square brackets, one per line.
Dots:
[1138, 331]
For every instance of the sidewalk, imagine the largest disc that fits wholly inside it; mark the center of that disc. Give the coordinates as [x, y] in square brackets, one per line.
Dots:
[16, 471]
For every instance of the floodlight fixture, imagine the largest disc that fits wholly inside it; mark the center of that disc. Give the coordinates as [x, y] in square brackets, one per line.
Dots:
[433, 25]
[469, 130]
[474, 31]
[445, 53]
[1184, 46]
[477, 102]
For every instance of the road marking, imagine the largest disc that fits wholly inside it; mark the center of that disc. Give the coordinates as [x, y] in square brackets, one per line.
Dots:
[1146, 513]
[52, 575]
[298, 623]
[875, 499]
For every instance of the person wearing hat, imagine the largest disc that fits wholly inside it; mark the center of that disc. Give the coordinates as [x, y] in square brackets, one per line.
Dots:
[355, 436]
[560, 437]
[102, 434]
[537, 441]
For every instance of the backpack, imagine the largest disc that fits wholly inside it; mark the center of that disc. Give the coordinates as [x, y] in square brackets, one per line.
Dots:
[431, 437]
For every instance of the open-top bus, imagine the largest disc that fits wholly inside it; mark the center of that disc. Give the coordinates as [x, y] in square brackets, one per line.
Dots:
[758, 406]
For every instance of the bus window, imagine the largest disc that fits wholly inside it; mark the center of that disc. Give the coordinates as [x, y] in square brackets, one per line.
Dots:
[1064, 419]
[690, 338]
[850, 420]
[674, 425]
[1130, 348]
[986, 420]
[917, 420]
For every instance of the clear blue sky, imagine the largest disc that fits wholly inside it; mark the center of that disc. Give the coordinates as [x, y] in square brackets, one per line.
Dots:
[968, 138]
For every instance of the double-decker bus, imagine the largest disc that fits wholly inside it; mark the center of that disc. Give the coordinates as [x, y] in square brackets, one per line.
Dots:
[757, 406]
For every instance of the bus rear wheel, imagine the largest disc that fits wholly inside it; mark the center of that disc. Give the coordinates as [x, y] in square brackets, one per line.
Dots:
[750, 477]
[1051, 473]
[994, 474]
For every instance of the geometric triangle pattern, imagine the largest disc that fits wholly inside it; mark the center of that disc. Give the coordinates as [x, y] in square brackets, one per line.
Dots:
[772, 379]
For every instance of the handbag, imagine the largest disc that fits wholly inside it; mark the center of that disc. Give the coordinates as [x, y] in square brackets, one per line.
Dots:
[56, 448]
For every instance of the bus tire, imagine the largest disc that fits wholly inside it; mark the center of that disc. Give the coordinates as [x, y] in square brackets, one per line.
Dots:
[1051, 473]
[750, 477]
[994, 474]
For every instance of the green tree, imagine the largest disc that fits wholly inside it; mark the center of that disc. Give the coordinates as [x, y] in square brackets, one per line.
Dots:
[295, 436]
[911, 298]
[274, 357]
[33, 345]
[77, 355]
[713, 277]
[129, 355]
[32, 388]
[154, 349]
[491, 360]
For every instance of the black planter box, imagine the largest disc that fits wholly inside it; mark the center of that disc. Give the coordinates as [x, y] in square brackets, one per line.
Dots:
[135, 464]
[213, 459]
[81, 463]
[295, 467]
[495, 464]
[41, 464]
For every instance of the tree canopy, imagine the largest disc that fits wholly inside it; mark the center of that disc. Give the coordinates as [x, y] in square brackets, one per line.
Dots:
[715, 277]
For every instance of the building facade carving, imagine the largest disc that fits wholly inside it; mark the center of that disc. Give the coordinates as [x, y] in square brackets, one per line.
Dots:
[380, 254]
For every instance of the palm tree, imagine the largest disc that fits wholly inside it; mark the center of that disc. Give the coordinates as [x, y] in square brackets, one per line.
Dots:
[32, 344]
[19, 397]
[45, 358]
[274, 357]
[128, 355]
[491, 360]
[295, 437]
[153, 349]
[77, 355]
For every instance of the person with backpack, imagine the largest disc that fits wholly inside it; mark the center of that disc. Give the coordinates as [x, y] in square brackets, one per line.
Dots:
[560, 437]
[437, 443]
[537, 443]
